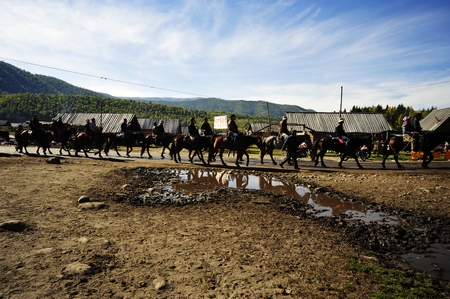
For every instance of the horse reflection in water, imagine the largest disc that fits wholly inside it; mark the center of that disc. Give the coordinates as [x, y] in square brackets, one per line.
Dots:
[198, 181]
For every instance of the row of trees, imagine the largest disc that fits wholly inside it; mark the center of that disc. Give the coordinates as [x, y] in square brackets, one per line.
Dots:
[394, 115]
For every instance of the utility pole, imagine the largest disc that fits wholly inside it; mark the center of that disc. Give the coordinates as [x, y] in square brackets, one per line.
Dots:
[340, 108]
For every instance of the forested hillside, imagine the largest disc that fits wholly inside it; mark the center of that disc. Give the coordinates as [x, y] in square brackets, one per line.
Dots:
[21, 107]
[15, 80]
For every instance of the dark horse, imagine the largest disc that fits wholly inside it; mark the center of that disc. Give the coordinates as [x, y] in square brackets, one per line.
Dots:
[131, 139]
[163, 141]
[185, 142]
[331, 143]
[42, 138]
[397, 145]
[4, 135]
[222, 143]
[67, 139]
[272, 142]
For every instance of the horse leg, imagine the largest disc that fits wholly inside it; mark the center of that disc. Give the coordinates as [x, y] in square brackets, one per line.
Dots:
[221, 157]
[248, 158]
[357, 162]
[321, 159]
[426, 161]
[271, 157]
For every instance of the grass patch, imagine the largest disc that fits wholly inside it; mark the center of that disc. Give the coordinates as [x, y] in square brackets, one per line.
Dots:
[393, 283]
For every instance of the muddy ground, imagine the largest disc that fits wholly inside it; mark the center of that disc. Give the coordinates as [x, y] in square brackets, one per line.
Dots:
[139, 237]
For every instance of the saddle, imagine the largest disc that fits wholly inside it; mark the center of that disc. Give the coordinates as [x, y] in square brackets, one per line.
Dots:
[338, 140]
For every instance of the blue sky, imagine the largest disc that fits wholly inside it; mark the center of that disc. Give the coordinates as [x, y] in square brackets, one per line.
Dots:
[285, 52]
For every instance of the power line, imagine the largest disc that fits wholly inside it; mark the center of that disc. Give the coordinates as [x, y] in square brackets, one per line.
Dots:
[106, 78]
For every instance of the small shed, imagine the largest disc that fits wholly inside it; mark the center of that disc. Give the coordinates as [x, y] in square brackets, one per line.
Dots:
[108, 121]
[437, 121]
[5, 123]
[171, 126]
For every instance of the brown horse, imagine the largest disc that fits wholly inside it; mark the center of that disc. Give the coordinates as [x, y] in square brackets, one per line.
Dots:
[67, 139]
[164, 141]
[221, 143]
[42, 138]
[185, 142]
[82, 143]
[131, 139]
[272, 142]
[330, 143]
[397, 145]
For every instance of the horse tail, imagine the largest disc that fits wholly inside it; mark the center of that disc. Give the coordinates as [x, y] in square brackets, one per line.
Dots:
[314, 148]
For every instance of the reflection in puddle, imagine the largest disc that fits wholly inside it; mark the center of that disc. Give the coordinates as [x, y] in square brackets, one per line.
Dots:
[198, 181]
[436, 260]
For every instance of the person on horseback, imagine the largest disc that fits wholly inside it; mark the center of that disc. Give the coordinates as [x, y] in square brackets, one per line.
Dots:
[18, 137]
[406, 126]
[233, 131]
[290, 145]
[283, 126]
[159, 132]
[123, 129]
[34, 126]
[417, 128]
[94, 129]
[340, 132]
[206, 128]
[193, 130]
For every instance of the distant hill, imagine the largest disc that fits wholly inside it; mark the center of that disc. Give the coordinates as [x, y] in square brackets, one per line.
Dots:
[251, 108]
[14, 80]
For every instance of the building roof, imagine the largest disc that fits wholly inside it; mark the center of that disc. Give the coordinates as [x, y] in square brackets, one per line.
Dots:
[171, 126]
[327, 121]
[437, 121]
[262, 127]
[109, 121]
[4, 122]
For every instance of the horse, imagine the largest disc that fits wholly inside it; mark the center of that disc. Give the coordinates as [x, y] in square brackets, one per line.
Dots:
[163, 141]
[272, 142]
[82, 143]
[180, 141]
[4, 135]
[397, 144]
[67, 139]
[221, 143]
[131, 139]
[331, 143]
[43, 140]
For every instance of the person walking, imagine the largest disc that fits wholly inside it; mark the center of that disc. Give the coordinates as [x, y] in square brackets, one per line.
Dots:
[290, 145]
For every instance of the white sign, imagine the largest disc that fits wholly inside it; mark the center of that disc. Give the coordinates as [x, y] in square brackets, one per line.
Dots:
[220, 122]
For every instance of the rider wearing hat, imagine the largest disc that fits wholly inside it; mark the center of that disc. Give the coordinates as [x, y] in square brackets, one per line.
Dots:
[233, 129]
[283, 126]
[340, 132]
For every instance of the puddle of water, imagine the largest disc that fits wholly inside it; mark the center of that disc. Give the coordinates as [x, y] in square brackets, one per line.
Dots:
[198, 181]
[436, 261]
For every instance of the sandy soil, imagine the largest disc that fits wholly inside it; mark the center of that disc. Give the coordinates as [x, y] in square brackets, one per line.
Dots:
[232, 244]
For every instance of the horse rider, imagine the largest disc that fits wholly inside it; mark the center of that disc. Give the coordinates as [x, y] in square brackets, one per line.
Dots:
[94, 129]
[340, 132]
[417, 128]
[193, 131]
[34, 126]
[233, 131]
[87, 127]
[290, 145]
[159, 132]
[406, 126]
[123, 129]
[283, 126]
[206, 128]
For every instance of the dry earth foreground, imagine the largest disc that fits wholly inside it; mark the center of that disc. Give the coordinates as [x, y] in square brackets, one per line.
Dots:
[141, 228]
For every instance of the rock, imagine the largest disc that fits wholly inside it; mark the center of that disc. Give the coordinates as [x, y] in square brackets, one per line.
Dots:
[54, 160]
[83, 199]
[95, 205]
[13, 225]
[159, 283]
[76, 268]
